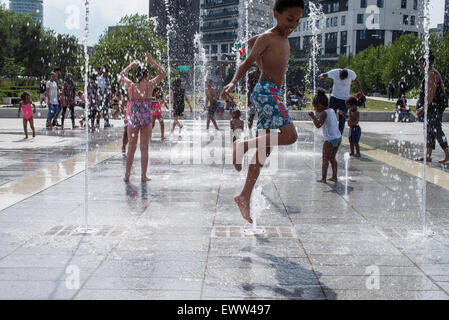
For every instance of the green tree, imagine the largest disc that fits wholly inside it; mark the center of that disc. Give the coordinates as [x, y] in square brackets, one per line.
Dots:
[10, 68]
[119, 45]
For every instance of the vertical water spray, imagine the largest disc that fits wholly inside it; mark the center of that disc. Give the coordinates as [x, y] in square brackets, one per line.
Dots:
[315, 17]
[426, 29]
[169, 29]
[85, 229]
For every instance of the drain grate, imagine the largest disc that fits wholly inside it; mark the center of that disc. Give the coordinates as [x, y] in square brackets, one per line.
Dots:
[100, 231]
[239, 232]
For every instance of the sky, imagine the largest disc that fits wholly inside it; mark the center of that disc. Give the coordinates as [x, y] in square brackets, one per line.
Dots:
[67, 16]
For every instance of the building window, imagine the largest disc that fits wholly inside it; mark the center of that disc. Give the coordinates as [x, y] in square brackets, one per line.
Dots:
[328, 22]
[224, 48]
[380, 3]
[329, 8]
[335, 21]
[343, 20]
[206, 48]
[337, 6]
[214, 49]
[362, 34]
[412, 20]
[403, 4]
[405, 19]
[415, 4]
[360, 18]
[362, 3]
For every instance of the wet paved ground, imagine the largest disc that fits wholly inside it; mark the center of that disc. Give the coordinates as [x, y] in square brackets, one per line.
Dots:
[180, 236]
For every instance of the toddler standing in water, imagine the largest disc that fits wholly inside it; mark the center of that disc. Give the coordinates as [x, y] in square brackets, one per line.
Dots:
[327, 119]
[237, 125]
[25, 107]
[354, 129]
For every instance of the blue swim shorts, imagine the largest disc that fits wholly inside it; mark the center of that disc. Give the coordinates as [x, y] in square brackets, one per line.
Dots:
[272, 112]
[335, 143]
[354, 134]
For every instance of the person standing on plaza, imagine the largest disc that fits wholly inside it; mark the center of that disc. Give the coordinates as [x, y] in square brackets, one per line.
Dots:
[391, 89]
[42, 89]
[104, 85]
[139, 120]
[178, 98]
[69, 93]
[403, 86]
[52, 95]
[341, 91]
[58, 80]
[436, 104]
[211, 105]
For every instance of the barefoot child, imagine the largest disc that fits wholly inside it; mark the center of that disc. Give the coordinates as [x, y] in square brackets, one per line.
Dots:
[25, 106]
[158, 101]
[211, 105]
[237, 125]
[271, 51]
[353, 122]
[327, 119]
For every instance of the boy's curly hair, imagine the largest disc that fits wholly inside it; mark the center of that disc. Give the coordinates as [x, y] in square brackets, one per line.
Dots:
[282, 5]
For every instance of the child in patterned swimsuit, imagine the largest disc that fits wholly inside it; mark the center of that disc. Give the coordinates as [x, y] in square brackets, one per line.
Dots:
[271, 51]
[157, 109]
[25, 107]
[139, 120]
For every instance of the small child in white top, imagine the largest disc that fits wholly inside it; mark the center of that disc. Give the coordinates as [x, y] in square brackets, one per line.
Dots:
[327, 119]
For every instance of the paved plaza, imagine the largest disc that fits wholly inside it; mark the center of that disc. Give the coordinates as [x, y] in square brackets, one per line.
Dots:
[180, 236]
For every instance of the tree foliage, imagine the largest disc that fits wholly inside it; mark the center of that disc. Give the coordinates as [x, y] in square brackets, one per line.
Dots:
[35, 50]
[129, 40]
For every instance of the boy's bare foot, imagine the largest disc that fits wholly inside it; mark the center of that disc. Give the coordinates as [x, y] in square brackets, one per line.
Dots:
[237, 158]
[333, 179]
[321, 181]
[357, 155]
[244, 208]
[442, 161]
[145, 179]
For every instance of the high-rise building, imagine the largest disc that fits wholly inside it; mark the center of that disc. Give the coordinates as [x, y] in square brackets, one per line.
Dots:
[227, 23]
[446, 16]
[183, 24]
[33, 7]
[352, 26]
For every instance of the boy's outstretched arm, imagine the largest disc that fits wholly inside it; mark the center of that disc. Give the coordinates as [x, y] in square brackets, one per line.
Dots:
[259, 47]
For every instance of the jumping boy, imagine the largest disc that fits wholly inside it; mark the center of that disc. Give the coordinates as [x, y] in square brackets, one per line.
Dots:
[271, 51]
[353, 122]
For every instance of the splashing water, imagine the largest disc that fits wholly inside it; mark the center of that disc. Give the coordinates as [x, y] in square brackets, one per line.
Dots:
[258, 204]
[426, 28]
[346, 157]
[86, 229]
[316, 17]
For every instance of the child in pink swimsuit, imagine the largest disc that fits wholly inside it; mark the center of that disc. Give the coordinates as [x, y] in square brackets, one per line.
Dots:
[25, 106]
[157, 109]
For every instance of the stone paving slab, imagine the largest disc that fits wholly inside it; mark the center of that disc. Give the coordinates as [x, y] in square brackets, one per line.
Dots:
[181, 236]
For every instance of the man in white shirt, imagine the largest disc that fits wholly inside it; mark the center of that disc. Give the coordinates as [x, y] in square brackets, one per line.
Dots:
[52, 96]
[341, 91]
